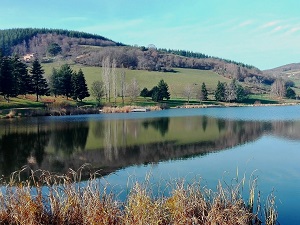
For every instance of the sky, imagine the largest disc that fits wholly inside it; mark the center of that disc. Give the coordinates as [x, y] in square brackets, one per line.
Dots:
[263, 33]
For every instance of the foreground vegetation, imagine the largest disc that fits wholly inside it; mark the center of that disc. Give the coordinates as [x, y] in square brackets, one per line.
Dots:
[49, 199]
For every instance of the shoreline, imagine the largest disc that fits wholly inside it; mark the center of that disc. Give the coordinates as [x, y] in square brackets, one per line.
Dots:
[35, 112]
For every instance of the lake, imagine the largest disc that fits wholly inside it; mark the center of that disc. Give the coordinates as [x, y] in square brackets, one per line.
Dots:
[211, 143]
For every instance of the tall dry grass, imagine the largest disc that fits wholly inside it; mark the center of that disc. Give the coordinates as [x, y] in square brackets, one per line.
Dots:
[51, 199]
[126, 109]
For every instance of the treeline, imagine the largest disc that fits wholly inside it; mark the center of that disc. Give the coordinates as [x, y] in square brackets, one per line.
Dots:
[16, 79]
[197, 55]
[151, 59]
[9, 38]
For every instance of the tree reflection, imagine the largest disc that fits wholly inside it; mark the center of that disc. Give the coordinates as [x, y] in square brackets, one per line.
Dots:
[70, 137]
[204, 123]
[160, 124]
[57, 146]
[17, 148]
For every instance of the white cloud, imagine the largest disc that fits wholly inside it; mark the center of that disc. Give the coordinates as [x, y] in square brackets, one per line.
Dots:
[294, 30]
[270, 24]
[246, 23]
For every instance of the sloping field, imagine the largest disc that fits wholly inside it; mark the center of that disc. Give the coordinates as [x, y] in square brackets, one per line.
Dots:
[177, 81]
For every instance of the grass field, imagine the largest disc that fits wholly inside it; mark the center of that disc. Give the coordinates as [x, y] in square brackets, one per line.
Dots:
[177, 81]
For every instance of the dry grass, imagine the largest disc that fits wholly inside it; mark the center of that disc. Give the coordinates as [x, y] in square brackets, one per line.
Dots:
[50, 199]
[126, 109]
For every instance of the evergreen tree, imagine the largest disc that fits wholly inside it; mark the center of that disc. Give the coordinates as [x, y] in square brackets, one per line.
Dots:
[21, 76]
[241, 93]
[220, 92]
[80, 90]
[161, 92]
[66, 78]
[56, 83]
[8, 84]
[145, 92]
[54, 49]
[204, 92]
[39, 83]
[290, 93]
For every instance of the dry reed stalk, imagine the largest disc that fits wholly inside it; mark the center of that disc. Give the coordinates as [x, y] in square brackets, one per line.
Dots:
[52, 199]
[142, 209]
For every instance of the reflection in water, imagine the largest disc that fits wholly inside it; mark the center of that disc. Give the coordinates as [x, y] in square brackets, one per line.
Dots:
[69, 137]
[160, 124]
[113, 144]
[18, 149]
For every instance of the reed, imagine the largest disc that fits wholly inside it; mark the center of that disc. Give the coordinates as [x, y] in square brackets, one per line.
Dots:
[46, 198]
[126, 109]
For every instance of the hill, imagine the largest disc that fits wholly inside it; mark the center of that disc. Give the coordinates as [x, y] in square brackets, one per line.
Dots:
[89, 50]
[288, 72]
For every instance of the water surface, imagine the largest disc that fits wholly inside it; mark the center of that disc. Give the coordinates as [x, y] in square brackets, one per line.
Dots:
[212, 143]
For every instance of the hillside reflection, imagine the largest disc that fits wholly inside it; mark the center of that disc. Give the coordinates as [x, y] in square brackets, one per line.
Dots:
[113, 144]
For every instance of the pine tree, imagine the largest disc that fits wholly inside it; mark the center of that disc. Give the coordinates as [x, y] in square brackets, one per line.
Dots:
[241, 93]
[66, 78]
[220, 92]
[21, 76]
[290, 93]
[161, 91]
[56, 83]
[39, 83]
[204, 92]
[80, 90]
[8, 84]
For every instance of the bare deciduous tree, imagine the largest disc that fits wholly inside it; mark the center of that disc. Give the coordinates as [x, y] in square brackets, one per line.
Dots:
[114, 80]
[97, 90]
[187, 92]
[133, 90]
[122, 84]
[278, 88]
[106, 77]
[230, 91]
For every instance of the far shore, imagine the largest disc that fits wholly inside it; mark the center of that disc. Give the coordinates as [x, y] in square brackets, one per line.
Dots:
[34, 112]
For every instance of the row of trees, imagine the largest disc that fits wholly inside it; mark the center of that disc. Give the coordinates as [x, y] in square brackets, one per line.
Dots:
[64, 81]
[158, 92]
[232, 92]
[113, 84]
[16, 79]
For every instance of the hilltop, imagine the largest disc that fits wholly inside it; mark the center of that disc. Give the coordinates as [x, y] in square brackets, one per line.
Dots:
[89, 49]
[289, 70]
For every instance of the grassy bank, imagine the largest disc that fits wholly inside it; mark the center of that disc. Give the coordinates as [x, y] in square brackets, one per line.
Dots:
[49, 199]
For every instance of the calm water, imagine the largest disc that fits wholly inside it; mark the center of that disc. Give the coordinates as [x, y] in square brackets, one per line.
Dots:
[211, 143]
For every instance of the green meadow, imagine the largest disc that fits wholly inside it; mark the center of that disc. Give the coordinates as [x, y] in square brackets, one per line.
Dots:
[177, 81]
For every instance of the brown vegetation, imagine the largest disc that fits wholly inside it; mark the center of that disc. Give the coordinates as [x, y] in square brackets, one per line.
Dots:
[49, 199]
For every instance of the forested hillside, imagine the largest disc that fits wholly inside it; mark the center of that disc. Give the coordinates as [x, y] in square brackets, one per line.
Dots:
[24, 40]
[88, 49]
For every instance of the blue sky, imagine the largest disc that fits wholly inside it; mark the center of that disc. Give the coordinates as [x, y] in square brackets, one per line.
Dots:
[263, 33]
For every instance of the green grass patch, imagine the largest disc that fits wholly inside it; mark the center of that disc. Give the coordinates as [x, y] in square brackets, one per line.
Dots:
[177, 81]
[19, 103]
